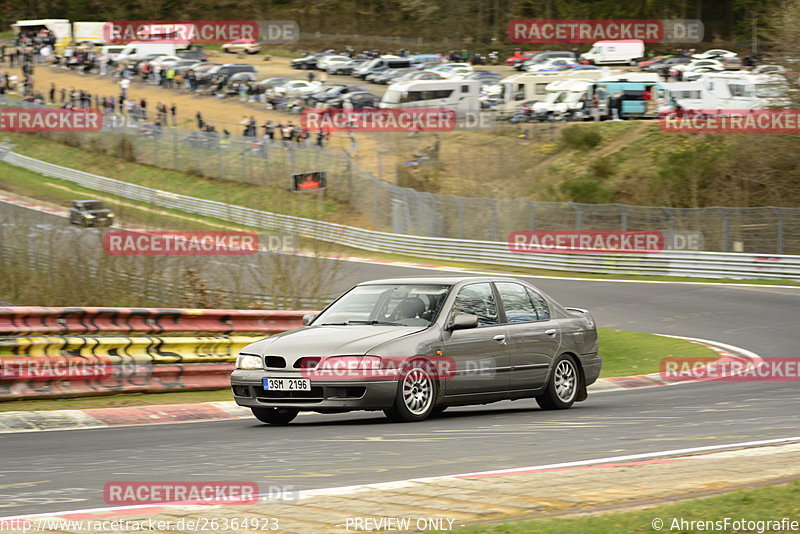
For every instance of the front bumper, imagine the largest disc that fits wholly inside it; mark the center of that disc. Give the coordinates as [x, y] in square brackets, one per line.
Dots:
[247, 390]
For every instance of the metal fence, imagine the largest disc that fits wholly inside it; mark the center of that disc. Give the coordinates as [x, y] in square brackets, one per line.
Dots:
[401, 210]
[671, 263]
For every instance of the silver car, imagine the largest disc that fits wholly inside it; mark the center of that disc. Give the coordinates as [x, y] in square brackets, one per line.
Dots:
[414, 346]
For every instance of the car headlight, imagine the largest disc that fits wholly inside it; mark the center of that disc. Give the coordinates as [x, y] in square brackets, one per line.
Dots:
[89, 216]
[249, 361]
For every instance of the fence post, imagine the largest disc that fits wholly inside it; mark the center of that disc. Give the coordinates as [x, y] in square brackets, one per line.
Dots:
[461, 217]
[623, 217]
[725, 228]
[670, 227]
[578, 215]
[778, 229]
[155, 149]
[495, 221]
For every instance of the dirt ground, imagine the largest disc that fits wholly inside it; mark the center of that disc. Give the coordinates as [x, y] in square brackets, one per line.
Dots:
[225, 113]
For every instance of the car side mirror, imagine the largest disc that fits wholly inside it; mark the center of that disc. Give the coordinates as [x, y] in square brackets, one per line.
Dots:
[464, 321]
[307, 318]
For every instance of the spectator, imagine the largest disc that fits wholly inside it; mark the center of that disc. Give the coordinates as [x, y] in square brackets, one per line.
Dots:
[172, 111]
[310, 76]
[199, 117]
[123, 87]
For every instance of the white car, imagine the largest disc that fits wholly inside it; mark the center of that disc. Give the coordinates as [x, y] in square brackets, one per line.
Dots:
[300, 88]
[165, 61]
[713, 64]
[549, 64]
[713, 53]
[328, 61]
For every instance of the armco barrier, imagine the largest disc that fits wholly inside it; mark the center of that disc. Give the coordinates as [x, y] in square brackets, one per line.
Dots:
[20, 320]
[667, 263]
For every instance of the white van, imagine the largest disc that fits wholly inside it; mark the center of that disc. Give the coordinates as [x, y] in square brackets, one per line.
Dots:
[61, 28]
[608, 52]
[462, 96]
[139, 49]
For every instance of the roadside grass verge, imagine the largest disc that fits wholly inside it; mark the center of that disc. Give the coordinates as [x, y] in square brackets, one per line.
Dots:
[637, 353]
[624, 353]
[756, 504]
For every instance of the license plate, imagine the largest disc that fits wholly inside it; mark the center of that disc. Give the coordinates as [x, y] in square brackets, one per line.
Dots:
[286, 384]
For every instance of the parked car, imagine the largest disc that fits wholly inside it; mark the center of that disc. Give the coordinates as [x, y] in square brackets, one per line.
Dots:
[344, 67]
[248, 46]
[324, 61]
[418, 75]
[413, 347]
[227, 70]
[644, 62]
[358, 100]
[667, 63]
[388, 75]
[714, 53]
[299, 88]
[543, 56]
[90, 213]
[331, 93]
[309, 61]
[193, 52]
[519, 57]
[550, 64]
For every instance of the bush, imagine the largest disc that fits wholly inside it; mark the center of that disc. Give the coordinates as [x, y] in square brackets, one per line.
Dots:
[580, 137]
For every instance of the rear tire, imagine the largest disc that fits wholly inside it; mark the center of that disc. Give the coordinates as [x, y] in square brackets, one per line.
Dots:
[275, 416]
[563, 387]
[416, 392]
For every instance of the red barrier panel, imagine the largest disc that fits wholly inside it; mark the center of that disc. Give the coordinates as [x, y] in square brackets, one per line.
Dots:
[22, 320]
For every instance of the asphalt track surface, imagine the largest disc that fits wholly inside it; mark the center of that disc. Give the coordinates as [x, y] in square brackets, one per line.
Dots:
[66, 470]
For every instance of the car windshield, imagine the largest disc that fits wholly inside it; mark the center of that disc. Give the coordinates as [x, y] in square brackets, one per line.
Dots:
[92, 205]
[395, 305]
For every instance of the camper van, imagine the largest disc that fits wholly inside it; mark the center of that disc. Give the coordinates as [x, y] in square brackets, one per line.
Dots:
[462, 96]
[530, 87]
[564, 98]
[742, 91]
[624, 51]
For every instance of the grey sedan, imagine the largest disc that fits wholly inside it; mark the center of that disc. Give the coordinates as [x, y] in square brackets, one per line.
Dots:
[414, 346]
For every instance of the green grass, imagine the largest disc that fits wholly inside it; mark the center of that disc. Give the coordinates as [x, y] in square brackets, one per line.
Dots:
[637, 353]
[764, 503]
[624, 353]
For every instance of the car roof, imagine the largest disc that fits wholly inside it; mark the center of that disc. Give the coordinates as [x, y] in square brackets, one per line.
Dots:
[445, 279]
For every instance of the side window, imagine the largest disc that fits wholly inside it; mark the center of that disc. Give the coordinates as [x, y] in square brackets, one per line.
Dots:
[540, 304]
[516, 302]
[477, 299]
[465, 88]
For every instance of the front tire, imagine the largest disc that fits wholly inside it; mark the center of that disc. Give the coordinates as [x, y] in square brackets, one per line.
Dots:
[275, 416]
[416, 392]
[563, 387]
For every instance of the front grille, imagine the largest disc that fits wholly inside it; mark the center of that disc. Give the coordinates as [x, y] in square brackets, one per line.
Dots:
[315, 395]
[275, 362]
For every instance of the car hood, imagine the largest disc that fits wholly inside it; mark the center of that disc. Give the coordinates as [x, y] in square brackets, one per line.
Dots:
[329, 341]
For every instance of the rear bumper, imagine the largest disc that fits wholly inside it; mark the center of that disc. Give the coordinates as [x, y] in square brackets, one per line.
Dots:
[247, 389]
[591, 363]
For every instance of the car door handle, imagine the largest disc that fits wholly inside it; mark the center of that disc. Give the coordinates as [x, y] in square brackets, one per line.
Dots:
[550, 332]
[500, 338]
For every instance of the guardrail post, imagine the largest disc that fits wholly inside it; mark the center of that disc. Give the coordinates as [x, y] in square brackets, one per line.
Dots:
[461, 216]
[778, 229]
[623, 217]
[495, 222]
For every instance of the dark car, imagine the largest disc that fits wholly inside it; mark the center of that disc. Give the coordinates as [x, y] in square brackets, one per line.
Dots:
[309, 61]
[358, 99]
[90, 213]
[226, 70]
[333, 93]
[414, 346]
[668, 63]
[193, 52]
